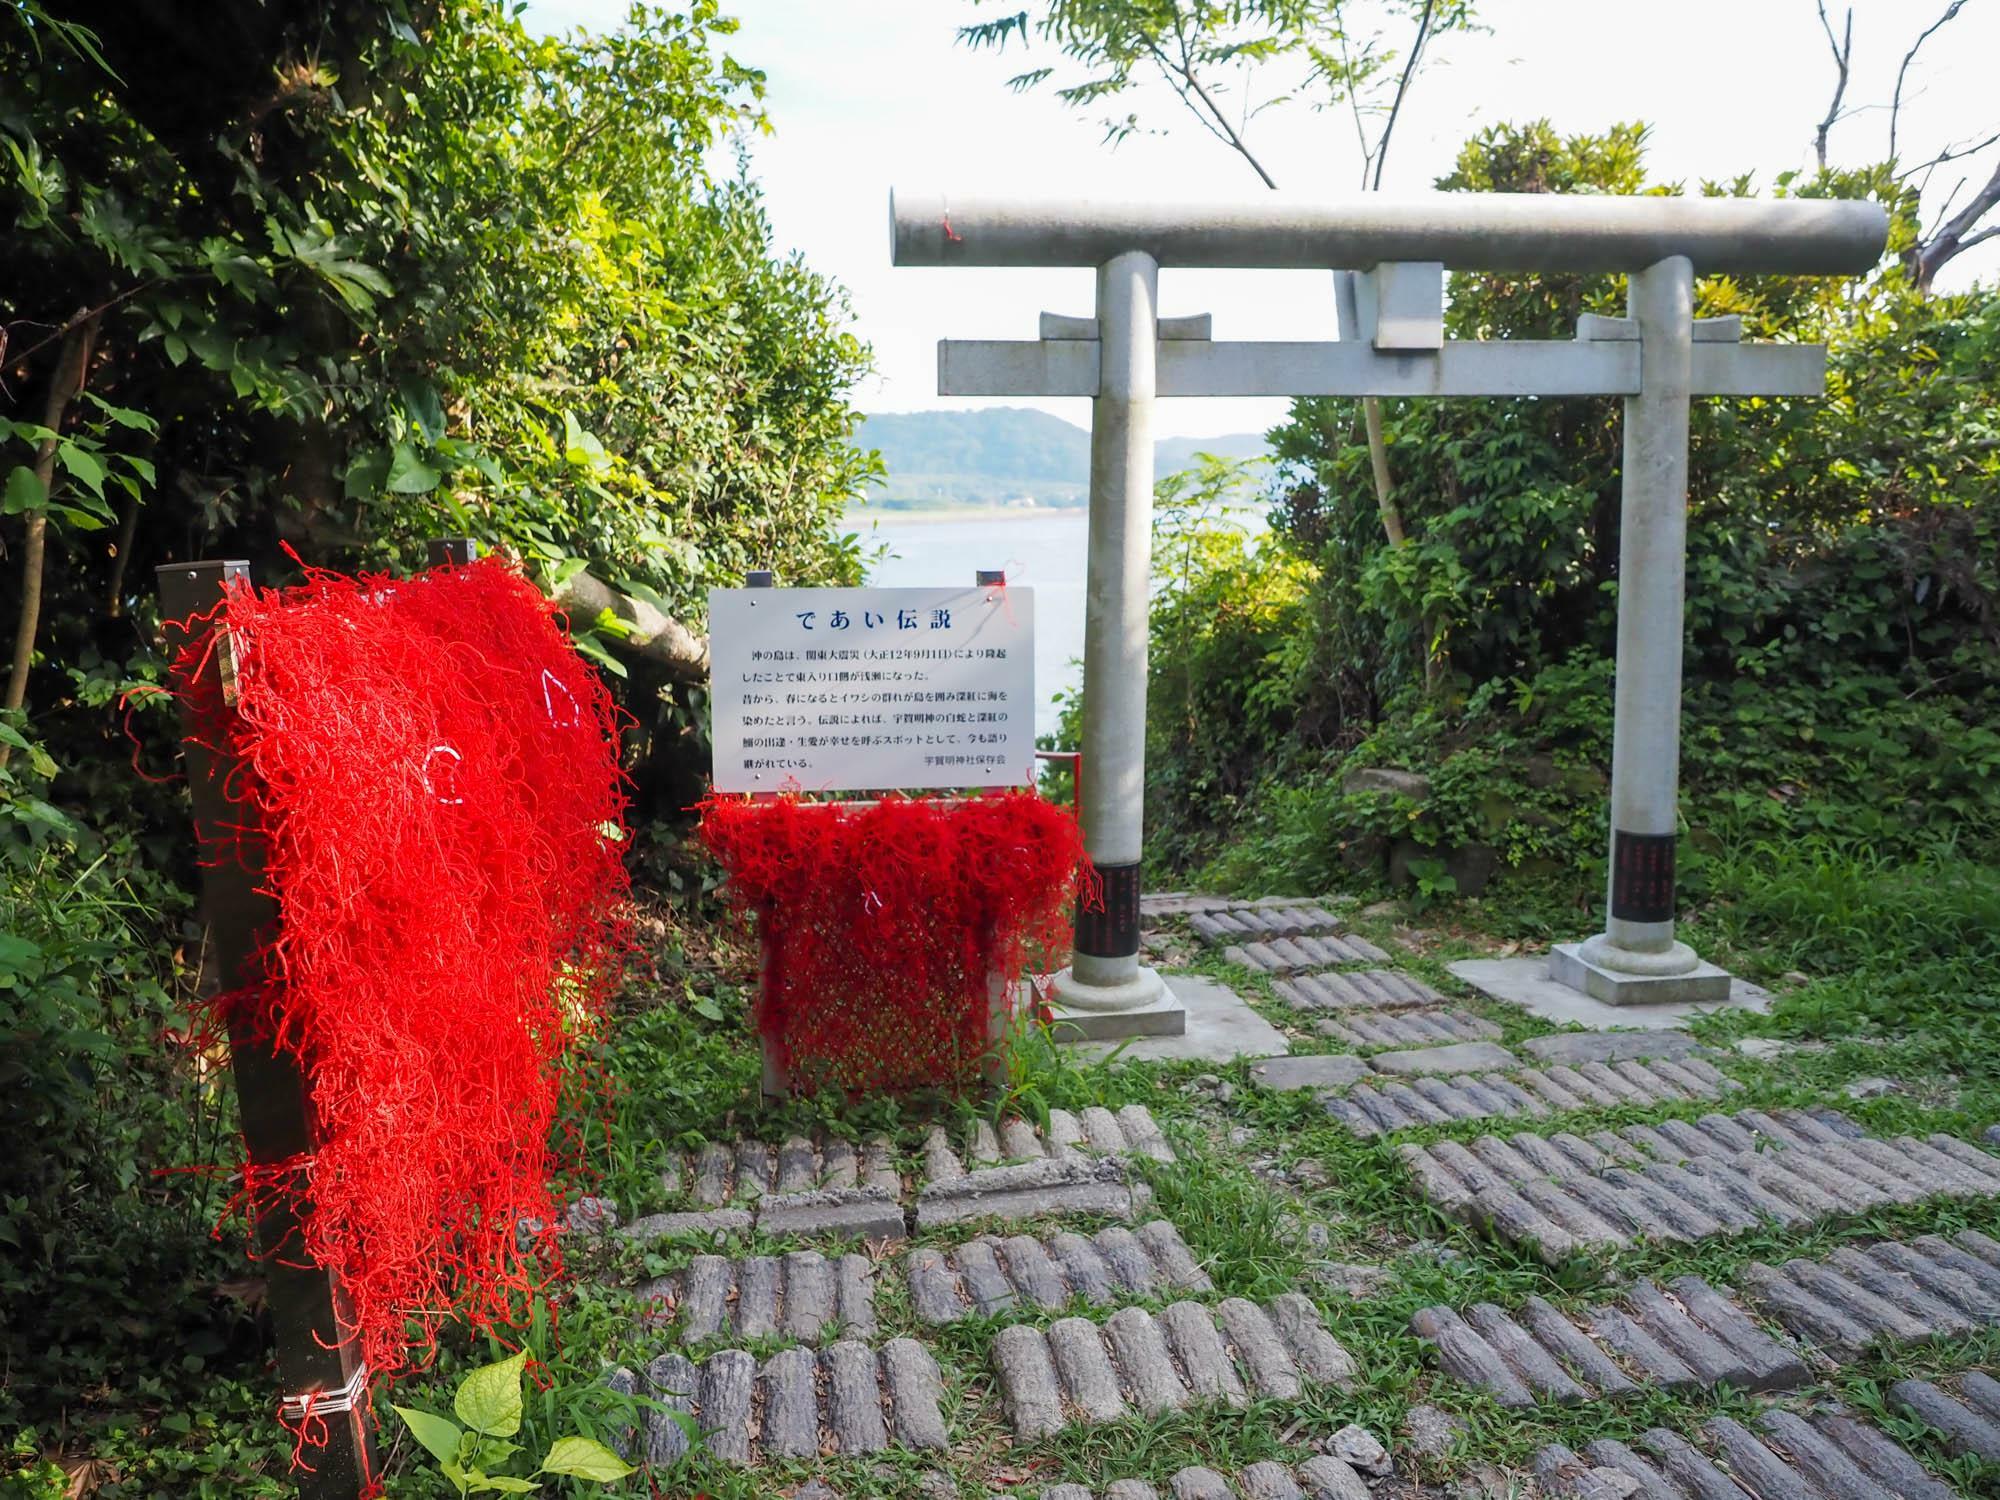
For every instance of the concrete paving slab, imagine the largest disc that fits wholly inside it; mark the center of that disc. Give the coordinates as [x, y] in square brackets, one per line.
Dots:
[1610, 1046]
[1458, 1057]
[1221, 1027]
[1164, 1016]
[1570, 964]
[1331, 1070]
[1525, 982]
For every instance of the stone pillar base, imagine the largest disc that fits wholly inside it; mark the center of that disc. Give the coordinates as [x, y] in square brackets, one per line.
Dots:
[1140, 1006]
[1704, 984]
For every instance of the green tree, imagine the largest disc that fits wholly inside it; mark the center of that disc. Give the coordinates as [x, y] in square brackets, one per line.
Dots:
[337, 277]
[1841, 550]
[1229, 62]
[397, 271]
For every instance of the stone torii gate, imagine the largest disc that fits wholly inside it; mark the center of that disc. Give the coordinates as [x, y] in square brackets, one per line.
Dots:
[1389, 257]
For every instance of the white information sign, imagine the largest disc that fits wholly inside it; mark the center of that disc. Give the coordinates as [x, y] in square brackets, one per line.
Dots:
[821, 690]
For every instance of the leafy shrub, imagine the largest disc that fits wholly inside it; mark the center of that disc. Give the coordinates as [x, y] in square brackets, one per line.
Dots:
[1842, 670]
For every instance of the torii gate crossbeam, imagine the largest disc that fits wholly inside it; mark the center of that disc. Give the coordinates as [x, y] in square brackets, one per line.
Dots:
[1389, 257]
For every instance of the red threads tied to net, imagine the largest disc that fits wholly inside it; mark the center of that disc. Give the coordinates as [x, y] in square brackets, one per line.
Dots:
[882, 922]
[429, 775]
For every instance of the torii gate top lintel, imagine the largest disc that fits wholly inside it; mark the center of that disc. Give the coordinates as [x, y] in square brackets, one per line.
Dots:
[1464, 231]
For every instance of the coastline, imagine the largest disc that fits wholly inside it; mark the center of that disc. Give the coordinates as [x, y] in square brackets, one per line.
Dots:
[860, 518]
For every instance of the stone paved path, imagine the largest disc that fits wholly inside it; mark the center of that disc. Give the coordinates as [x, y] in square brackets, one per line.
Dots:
[829, 1189]
[1290, 955]
[1157, 906]
[1154, 1337]
[1832, 1455]
[1379, 1108]
[1280, 936]
[1221, 926]
[1966, 1410]
[1321, 1478]
[846, 1399]
[798, 1186]
[1411, 1028]
[1079, 1371]
[1681, 1336]
[1891, 1292]
[801, 1295]
[990, 1276]
[1680, 1181]
[1020, 1172]
[1356, 990]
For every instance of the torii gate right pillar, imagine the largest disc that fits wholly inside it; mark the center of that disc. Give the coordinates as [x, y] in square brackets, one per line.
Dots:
[1637, 959]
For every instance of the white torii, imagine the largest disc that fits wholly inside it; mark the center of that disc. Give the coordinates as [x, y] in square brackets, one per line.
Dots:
[1389, 257]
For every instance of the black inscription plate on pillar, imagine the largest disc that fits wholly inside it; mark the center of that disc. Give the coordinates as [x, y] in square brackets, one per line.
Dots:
[1112, 932]
[1642, 876]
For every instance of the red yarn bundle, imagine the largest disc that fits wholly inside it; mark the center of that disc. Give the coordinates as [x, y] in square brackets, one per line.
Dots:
[881, 923]
[431, 774]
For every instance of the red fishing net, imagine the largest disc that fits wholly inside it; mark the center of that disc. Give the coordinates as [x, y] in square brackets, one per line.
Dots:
[881, 923]
[430, 773]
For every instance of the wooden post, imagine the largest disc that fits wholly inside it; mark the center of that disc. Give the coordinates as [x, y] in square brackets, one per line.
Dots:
[777, 1083]
[308, 1309]
[999, 1001]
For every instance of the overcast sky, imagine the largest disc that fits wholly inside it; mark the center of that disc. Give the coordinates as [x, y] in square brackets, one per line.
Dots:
[870, 94]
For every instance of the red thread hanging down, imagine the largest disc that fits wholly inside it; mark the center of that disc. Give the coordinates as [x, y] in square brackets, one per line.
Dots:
[881, 923]
[430, 774]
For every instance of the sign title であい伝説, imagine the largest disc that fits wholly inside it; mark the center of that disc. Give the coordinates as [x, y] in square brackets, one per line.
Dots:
[872, 689]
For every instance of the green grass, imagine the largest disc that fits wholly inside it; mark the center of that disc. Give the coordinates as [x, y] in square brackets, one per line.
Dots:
[1892, 975]
[1897, 965]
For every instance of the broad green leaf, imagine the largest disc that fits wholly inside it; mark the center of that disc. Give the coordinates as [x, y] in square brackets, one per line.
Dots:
[489, 1399]
[584, 1458]
[24, 492]
[503, 1484]
[422, 406]
[492, 1451]
[410, 475]
[589, 647]
[439, 1435]
[81, 519]
[367, 474]
[124, 416]
[582, 447]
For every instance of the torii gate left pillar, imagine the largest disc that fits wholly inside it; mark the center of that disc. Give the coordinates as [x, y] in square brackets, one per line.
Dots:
[1106, 991]
[1392, 344]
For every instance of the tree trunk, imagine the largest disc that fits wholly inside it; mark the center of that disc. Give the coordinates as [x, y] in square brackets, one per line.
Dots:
[1378, 463]
[121, 554]
[1955, 236]
[658, 638]
[71, 366]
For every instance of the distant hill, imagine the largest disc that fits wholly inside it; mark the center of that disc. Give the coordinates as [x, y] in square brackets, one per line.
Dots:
[1005, 455]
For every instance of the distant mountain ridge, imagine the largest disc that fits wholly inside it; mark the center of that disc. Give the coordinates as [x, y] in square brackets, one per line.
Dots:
[1006, 455]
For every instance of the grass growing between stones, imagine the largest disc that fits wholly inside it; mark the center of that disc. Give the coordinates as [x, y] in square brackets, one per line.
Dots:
[1881, 974]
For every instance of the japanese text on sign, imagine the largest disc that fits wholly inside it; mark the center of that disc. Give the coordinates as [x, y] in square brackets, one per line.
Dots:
[872, 689]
